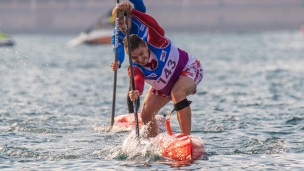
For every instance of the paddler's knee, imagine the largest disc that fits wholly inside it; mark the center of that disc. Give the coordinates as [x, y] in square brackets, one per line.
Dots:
[182, 104]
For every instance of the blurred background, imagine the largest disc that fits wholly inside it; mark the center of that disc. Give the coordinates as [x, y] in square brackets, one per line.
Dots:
[73, 16]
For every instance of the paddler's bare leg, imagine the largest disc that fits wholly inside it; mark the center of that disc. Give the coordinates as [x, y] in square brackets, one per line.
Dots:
[184, 119]
[151, 106]
[182, 88]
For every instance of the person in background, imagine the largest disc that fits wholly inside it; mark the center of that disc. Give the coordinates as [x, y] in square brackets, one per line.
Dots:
[135, 27]
[172, 73]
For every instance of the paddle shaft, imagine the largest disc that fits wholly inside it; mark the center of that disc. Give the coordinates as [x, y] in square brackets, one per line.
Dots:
[132, 73]
[115, 72]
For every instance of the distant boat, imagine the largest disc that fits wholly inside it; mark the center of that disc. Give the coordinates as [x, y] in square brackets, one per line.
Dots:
[99, 36]
[99, 33]
[6, 40]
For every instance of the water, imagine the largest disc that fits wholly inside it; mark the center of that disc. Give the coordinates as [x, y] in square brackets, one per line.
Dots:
[248, 110]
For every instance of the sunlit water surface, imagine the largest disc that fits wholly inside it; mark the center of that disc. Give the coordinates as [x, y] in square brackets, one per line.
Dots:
[56, 101]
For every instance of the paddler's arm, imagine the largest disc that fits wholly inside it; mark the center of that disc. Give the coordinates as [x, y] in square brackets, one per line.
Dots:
[147, 20]
[120, 49]
[139, 80]
[156, 34]
[139, 5]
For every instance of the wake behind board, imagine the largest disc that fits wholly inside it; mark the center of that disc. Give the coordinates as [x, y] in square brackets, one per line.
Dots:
[180, 147]
[126, 122]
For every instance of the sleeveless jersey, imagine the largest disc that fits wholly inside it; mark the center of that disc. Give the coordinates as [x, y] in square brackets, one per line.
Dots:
[171, 61]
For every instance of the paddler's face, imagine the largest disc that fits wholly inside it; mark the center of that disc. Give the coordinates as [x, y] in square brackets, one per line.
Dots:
[141, 55]
[122, 24]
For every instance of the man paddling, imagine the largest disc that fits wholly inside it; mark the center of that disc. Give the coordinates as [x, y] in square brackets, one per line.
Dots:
[172, 73]
[135, 27]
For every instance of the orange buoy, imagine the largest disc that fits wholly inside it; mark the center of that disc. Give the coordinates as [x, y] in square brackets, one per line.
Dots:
[181, 147]
[302, 28]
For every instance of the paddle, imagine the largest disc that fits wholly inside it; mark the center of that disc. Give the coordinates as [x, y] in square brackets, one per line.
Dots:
[132, 73]
[115, 72]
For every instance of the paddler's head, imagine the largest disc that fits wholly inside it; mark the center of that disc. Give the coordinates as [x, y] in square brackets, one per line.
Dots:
[121, 22]
[140, 52]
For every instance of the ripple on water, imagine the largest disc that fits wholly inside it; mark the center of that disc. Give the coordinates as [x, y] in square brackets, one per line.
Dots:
[295, 120]
[274, 145]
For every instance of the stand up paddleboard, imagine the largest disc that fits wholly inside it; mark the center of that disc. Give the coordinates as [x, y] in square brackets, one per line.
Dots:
[178, 146]
[127, 122]
[181, 147]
